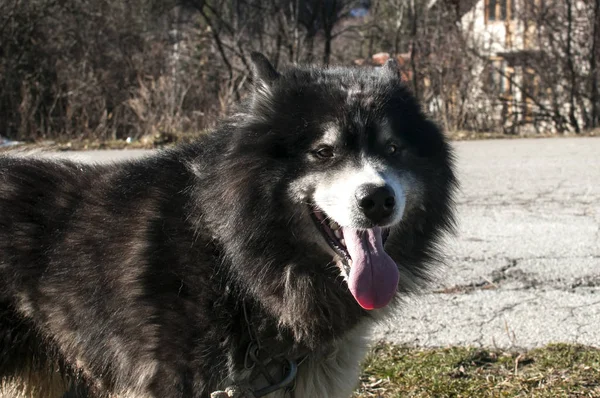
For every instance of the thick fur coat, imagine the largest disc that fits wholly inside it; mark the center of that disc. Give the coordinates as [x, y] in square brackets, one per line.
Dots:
[147, 278]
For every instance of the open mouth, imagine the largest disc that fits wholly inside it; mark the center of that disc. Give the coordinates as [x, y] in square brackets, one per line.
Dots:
[372, 275]
[333, 234]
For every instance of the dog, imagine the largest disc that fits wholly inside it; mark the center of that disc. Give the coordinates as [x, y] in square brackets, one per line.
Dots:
[253, 261]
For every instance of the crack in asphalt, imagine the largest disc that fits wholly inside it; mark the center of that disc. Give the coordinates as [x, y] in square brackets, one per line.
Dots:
[531, 206]
[500, 274]
[495, 317]
[572, 315]
[548, 257]
[577, 307]
[586, 281]
[499, 277]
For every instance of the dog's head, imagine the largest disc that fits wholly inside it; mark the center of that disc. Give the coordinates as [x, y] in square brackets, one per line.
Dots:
[349, 167]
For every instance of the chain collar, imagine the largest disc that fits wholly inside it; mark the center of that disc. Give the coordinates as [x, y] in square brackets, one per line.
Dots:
[277, 371]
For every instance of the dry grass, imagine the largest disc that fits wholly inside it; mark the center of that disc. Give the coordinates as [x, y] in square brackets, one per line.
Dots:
[150, 141]
[463, 135]
[558, 370]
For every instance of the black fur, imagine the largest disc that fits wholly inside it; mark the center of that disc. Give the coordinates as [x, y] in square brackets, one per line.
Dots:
[132, 276]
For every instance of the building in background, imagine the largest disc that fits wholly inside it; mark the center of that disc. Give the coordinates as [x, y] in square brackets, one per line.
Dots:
[536, 58]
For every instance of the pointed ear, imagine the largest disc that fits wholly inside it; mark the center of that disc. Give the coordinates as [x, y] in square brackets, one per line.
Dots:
[391, 68]
[263, 72]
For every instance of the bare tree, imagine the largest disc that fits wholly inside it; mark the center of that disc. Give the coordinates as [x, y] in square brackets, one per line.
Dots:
[594, 66]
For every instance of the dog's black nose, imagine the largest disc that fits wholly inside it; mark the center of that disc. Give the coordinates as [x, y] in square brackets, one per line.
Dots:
[376, 202]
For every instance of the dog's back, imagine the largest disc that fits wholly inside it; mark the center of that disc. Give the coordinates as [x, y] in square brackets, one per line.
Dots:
[37, 199]
[87, 248]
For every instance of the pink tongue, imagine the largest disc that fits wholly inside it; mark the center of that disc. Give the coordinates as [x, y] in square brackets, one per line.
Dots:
[373, 275]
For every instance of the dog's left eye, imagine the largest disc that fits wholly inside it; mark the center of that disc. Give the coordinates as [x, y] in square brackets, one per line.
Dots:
[392, 149]
[325, 152]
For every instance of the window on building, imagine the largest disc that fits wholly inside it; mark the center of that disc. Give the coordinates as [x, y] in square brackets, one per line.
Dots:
[499, 10]
[500, 78]
[490, 10]
[530, 91]
[502, 5]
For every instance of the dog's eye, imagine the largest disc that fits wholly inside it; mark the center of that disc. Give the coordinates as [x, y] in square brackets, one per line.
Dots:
[325, 152]
[392, 149]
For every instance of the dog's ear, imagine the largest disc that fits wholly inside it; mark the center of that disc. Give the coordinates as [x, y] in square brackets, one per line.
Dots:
[391, 68]
[263, 73]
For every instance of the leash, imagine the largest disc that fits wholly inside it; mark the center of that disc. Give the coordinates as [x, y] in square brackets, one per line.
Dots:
[260, 363]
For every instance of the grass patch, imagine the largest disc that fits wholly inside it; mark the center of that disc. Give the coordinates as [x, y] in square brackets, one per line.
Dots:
[558, 370]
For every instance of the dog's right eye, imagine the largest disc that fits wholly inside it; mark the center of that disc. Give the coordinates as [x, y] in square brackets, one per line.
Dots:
[325, 152]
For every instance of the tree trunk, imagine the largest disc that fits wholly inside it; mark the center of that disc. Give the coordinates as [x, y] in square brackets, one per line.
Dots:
[399, 26]
[571, 67]
[327, 51]
[413, 48]
[329, 15]
[594, 68]
[310, 48]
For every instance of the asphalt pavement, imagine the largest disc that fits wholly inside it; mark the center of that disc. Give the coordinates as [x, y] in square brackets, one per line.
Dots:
[524, 268]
